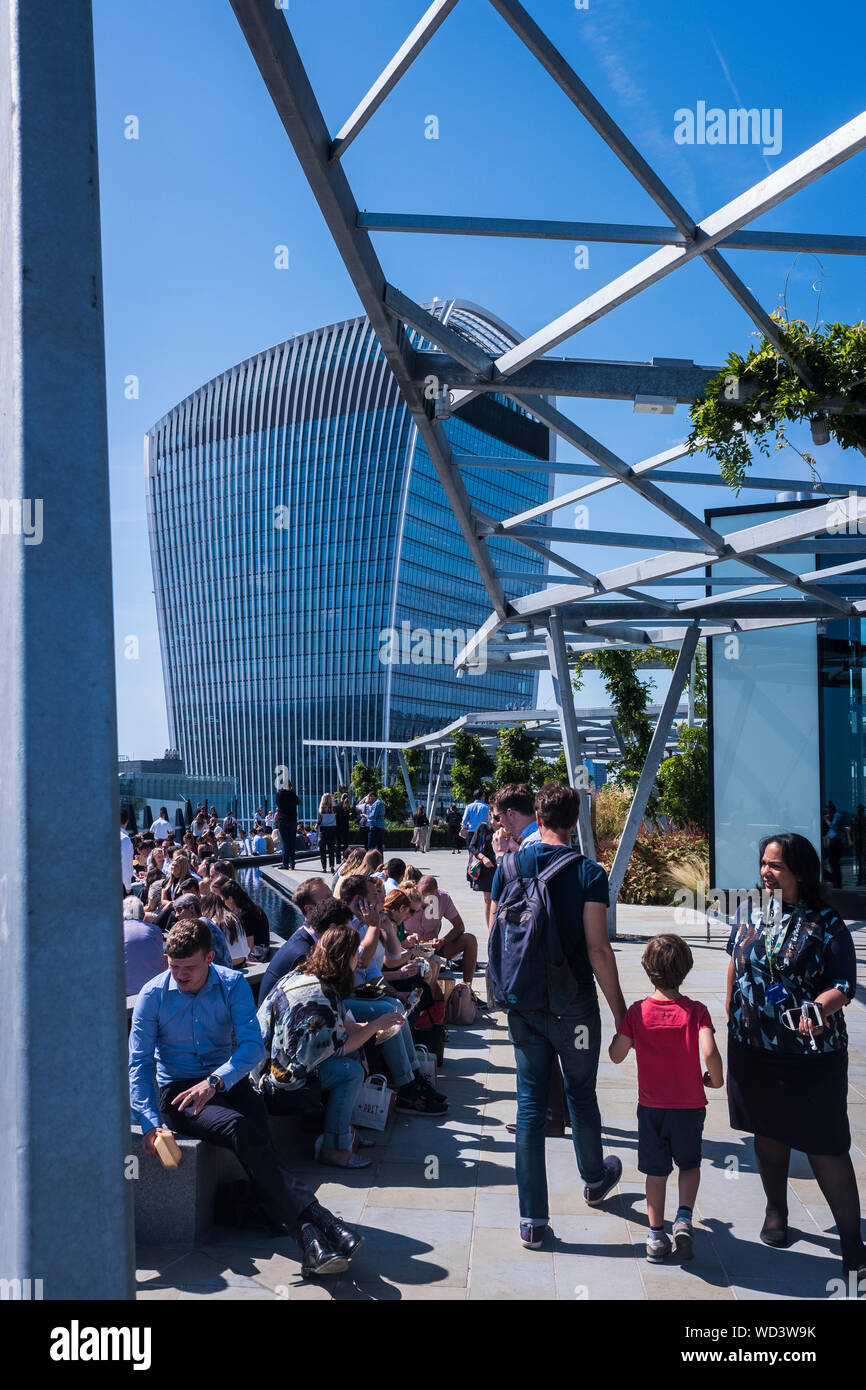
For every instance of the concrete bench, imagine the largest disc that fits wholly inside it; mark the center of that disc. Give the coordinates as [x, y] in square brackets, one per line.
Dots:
[175, 1206]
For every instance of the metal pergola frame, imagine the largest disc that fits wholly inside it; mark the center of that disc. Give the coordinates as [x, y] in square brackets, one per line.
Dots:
[581, 610]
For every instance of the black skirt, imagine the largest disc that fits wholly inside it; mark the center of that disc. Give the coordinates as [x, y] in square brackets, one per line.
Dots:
[799, 1101]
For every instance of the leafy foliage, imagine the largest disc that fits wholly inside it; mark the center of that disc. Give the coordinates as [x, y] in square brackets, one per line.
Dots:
[515, 756]
[683, 779]
[364, 778]
[471, 765]
[755, 397]
[648, 876]
[543, 771]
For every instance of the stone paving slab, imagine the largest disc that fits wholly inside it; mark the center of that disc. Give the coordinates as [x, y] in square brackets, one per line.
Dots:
[438, 1207]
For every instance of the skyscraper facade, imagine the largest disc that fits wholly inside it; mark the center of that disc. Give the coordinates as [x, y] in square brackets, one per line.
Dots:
[311, 580]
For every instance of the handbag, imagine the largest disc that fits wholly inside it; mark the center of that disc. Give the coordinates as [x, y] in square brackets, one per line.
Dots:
[374, 1105]
[427, 1064]
[474, 867]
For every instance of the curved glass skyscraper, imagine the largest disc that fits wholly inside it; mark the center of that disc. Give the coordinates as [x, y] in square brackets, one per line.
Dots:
[311, 580]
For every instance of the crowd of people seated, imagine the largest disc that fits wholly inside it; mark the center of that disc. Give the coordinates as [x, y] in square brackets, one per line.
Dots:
[352, 992]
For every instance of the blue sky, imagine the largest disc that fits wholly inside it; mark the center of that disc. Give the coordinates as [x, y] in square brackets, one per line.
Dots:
[193, 209]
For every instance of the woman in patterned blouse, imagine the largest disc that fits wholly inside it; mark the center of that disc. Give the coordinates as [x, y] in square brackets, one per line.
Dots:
[788, 1072]
[305, 1030]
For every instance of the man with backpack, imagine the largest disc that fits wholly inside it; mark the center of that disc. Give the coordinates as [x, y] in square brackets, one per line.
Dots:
[548, 947]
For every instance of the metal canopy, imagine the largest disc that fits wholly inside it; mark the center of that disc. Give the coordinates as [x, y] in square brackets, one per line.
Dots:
[569, 612]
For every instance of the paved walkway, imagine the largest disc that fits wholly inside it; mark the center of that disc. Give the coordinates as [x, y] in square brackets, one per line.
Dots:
[439, 1207]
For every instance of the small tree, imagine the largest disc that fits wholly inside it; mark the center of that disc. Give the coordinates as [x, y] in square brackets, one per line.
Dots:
[543, 771]
[395, 800]
[471, 765]
[515, 756]
[683, 779]
[364, 779]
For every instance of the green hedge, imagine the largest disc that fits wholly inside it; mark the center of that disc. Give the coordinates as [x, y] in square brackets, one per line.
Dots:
[400, 837]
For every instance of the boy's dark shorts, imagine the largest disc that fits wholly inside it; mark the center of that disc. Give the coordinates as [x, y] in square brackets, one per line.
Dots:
[665, 1137]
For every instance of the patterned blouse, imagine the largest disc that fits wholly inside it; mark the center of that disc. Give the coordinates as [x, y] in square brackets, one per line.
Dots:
[302, 1024]
[805, 951]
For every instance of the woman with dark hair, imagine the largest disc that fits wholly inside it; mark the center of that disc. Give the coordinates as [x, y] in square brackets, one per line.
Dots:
[791, 973]
[326, 826]
[482, 861]
[342, 810]
[215, 910]
[253, 919]
[306, 1030]
[421, 830]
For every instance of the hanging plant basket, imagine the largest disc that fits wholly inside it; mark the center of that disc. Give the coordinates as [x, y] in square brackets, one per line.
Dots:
[754, 398]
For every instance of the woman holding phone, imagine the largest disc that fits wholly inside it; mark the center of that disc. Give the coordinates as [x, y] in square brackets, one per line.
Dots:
[791, 974]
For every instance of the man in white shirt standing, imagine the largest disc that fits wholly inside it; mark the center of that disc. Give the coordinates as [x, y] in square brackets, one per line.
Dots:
[161, 826]
[126, 853]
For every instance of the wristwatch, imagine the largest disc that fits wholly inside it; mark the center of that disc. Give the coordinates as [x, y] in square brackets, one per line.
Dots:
[216, 1082]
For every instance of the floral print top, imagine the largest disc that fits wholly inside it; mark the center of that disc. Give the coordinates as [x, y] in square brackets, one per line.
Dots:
[302, 1024]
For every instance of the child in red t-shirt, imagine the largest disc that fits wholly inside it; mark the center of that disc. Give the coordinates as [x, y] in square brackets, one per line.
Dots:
[670, 1034]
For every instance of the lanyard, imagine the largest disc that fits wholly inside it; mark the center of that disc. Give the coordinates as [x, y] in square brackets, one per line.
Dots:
[775, 948]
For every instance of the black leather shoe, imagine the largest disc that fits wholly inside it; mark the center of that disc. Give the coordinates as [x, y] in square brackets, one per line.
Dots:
[339, 1237]
[776, 1236]
[319, 1257]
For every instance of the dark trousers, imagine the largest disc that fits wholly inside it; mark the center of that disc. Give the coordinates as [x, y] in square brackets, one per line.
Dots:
[376, 838]
[237, 1120]
[834, 861]
[288, 830]
[327, 845]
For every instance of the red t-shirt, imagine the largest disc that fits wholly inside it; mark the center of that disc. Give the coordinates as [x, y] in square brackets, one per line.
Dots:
[665, 1037]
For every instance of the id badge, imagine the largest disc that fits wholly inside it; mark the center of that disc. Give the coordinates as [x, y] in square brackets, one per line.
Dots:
[776, 994]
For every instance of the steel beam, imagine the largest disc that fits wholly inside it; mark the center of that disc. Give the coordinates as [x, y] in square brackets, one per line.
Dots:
[652, 763]
[273, 49]
[798, 173]
[818, 243]
[564, 698]
[390, 76]
[407, 781]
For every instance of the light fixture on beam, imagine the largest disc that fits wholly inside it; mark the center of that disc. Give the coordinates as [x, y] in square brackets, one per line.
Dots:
[442, 405]
[654, 405]
[820, 429]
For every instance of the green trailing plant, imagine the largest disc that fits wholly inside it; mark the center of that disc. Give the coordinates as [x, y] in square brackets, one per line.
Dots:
[754, 398]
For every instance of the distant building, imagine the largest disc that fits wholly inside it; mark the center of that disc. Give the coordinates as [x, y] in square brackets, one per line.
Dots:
[159, 782]
[311, 580]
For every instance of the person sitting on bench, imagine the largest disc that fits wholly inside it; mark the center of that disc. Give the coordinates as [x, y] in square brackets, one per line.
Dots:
[185, 1019]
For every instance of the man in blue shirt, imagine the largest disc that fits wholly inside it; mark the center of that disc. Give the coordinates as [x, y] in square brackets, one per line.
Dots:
[375, 814]
[308, 896]
[198, 1022]
[476, 813]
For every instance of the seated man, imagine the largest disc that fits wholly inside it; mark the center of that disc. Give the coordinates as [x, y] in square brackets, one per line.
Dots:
[185, 1019]
[143, 948]
[426, 924]
[308, 897]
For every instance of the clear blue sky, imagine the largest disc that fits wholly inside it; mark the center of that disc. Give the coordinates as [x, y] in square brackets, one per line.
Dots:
[193, 209]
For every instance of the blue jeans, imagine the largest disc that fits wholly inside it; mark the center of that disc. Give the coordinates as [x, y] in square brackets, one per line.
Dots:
[399, 1051]
[537, 1037]
[341, 1078]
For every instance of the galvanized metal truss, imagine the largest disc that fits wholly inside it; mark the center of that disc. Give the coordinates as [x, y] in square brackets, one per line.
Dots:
[571, 612]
